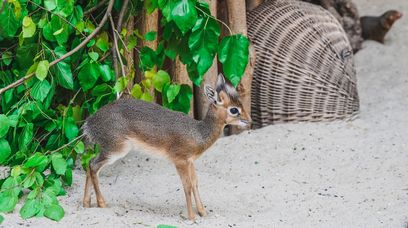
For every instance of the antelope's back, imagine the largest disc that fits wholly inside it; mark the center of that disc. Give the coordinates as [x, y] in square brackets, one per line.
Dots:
[304, 68]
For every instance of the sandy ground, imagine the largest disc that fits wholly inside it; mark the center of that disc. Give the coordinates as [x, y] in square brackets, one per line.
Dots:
[340, 174]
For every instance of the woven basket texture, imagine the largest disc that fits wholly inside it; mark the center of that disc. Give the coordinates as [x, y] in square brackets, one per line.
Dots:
[304, 69]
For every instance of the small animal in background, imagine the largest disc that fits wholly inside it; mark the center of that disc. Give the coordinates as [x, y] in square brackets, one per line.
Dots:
[375, 28]
[128, 124]
[359, 28]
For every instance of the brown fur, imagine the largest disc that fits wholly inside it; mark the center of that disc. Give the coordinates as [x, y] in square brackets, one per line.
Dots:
[375, 28]
[129, 124]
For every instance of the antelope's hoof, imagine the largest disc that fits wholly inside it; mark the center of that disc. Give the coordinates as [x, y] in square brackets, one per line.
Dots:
[86, 204]
[202, 213]
[102, 204]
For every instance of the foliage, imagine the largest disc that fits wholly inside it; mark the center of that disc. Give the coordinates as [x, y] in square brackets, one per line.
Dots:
[40, 119]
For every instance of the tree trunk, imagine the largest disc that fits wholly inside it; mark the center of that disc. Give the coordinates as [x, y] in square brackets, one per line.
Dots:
[130, 67]
[180, 75]
[200, 100]
[150, 22]
[252, 4]
[237, 23]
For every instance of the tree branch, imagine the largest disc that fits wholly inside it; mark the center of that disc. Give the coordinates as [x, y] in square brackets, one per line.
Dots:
[101, 3]
[116, 54]
[66, 55]
[115, 40]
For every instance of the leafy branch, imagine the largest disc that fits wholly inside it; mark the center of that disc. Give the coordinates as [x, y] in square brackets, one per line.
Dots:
[68, 54]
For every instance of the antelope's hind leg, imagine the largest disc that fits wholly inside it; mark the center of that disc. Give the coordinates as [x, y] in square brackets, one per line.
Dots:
[95, 166]
[105, 157]
[87, 192]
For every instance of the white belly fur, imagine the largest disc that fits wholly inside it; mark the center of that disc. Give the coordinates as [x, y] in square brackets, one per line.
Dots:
[131, 144]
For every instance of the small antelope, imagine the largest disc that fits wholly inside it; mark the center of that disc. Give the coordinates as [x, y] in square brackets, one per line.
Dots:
[129, 124]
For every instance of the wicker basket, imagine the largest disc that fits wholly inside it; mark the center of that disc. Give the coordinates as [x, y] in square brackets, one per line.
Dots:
[304, 68]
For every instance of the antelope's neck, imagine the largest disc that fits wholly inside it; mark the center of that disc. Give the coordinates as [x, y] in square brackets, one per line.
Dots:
[210, 129]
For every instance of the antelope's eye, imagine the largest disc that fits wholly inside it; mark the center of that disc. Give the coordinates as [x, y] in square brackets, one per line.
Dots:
[234, 111]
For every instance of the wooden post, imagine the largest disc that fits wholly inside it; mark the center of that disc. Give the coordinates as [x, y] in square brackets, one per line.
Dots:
[237, 23]
[180, 75]
[150, 22]
[130, 67]
[200, 100]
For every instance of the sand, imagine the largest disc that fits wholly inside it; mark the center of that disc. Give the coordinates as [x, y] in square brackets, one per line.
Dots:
[338, 174]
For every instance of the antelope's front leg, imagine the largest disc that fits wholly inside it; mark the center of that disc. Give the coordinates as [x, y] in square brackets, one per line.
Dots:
[183, 170]
[194, 182]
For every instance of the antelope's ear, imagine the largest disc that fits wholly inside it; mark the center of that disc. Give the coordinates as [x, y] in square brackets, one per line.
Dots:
[211, 94]
[219, 85]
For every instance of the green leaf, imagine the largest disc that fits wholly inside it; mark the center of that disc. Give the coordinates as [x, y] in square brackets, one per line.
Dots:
[36, 160]
[86, 157]
[165, 226]
[26, 54]
[148, 58]
[8, 201]
[103, 42]
[150, 5]
[30, 208]
[150, 36]
[233, 54]
[80, 147]
[8, 21]
[106, 73]
[101, 89]
[63, 69]
[182, 101]
[29, 181]
[29, 27]
[172, 91]
[136, 91]
[58, 163]
[50, 4]
[7, 57]
[59, 31]
[146, 97]
[40, 90]
[26, 136]
[1, 219]
[12, 184]
[4, 125]
[160, 79]
[94, 55]
[88, 75]
[5, 150]
[120, 84]
[42, 69]
[54, 212]
[68, 177]
[203, 43]
[70, 128]
[183, 13]
[65, 7]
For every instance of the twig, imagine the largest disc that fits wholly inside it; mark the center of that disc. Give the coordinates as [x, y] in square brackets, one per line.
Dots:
[208, 15]
[65, 145]
[121, 15]
[66, 55]
[119, 28]
[115, 41]
[101, 3]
